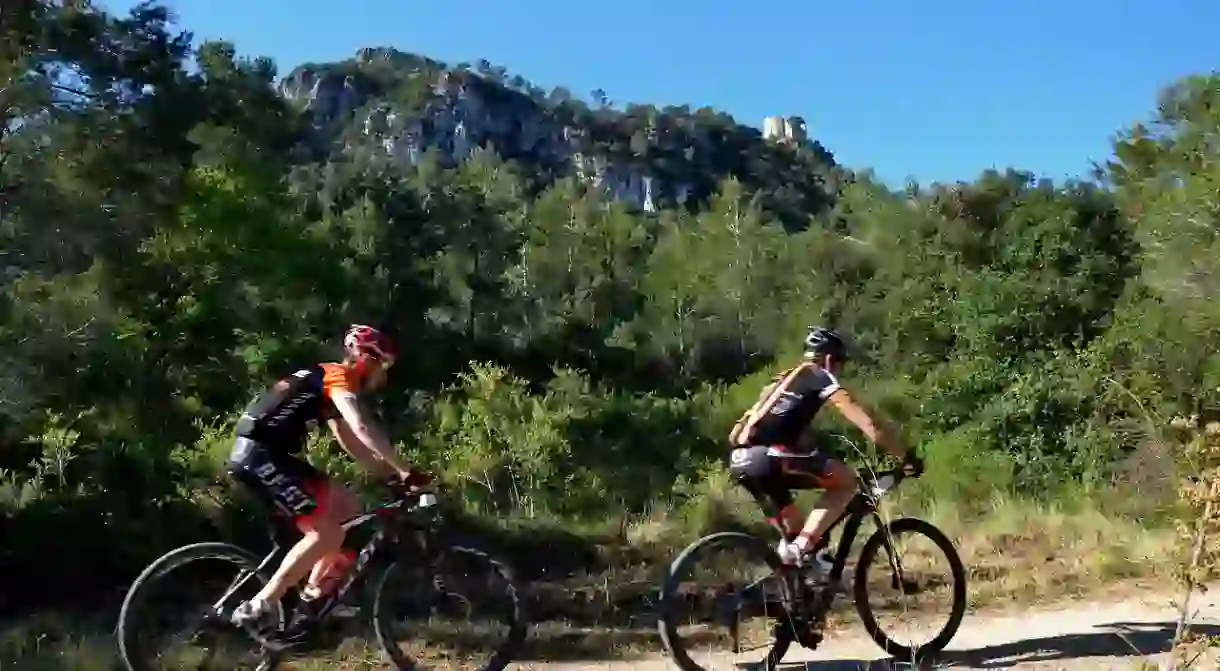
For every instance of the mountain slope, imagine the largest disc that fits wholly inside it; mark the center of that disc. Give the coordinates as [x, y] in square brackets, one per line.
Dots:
[389, 104]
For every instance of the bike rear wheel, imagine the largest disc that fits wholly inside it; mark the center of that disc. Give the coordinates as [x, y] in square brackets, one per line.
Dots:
[715, 601]
[445, 589]
[878, 558]
[219, 567]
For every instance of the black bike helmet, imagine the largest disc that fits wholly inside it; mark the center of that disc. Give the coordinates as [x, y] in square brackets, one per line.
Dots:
[822, 340]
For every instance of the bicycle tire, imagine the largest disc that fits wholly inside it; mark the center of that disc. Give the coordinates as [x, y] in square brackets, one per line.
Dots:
[669, 629]
[126, 630]
[860, 589]
[501, 657]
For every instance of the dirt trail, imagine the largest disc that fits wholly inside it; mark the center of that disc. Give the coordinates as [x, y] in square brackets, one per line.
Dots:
[1123, 634]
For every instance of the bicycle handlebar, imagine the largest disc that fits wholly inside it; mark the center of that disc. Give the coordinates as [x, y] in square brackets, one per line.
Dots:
[885, 481]
[415, 497]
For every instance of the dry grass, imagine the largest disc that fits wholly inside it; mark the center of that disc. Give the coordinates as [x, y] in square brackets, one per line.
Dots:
[1020, 553]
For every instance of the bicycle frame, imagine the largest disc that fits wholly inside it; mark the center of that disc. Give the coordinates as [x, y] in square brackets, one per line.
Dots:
[862, 505]
[358, 568]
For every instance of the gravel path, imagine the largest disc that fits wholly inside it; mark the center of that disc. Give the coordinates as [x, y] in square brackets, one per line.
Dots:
[1123, 634]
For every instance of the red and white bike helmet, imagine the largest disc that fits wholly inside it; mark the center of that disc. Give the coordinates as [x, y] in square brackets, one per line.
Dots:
[361, 340]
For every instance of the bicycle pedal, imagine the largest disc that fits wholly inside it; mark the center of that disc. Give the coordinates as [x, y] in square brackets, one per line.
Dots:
[268, 638]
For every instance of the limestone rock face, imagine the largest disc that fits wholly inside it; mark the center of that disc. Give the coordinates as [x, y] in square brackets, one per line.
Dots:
[459, 118]
[399, 106]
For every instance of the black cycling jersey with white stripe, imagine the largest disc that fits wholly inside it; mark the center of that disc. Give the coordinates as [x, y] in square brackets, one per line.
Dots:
[794, 405]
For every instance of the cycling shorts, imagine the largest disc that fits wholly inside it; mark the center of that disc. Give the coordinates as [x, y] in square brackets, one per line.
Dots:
[771, 472]
[285, 481]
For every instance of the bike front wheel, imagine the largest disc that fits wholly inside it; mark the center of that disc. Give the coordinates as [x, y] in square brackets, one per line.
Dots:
[198, 586]
[462, 605]
[886, 560]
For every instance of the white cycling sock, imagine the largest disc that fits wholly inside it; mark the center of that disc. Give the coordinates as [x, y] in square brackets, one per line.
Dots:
[255, 608]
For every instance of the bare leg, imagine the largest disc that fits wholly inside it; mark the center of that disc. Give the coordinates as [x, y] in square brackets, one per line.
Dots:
[344, 505]
[313, 586]
[841, 487]
[790, 519]
[323, 537]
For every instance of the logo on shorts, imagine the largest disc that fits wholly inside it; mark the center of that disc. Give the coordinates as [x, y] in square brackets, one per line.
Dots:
[286, 493]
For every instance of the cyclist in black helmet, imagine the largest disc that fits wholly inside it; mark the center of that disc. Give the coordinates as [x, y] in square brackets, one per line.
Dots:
[773, 455]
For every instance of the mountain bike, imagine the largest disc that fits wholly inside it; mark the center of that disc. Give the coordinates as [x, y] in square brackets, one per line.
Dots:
[801, 604]
[408, 536]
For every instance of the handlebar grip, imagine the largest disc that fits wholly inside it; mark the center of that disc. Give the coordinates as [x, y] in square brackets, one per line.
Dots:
[400, 488]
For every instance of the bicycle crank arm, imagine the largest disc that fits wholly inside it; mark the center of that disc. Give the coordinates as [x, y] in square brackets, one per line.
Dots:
[272, 644]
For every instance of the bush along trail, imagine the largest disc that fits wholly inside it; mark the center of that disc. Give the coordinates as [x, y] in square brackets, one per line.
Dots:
[174, 237]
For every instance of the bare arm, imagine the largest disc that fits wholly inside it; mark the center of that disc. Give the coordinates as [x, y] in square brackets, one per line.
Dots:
[873, 430]
[353, 446]
[365, 433]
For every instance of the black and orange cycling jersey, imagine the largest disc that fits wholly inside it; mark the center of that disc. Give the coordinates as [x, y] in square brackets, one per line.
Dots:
[281, 416]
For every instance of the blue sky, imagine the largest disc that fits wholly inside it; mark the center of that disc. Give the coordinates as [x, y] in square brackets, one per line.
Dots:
[937, 90]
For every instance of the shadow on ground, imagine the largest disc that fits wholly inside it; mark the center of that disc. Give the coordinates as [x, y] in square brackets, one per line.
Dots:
[1117, 639]
[606, 645]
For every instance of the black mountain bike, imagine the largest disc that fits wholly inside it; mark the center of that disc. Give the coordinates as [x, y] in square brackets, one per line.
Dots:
[796, 607]
[407, 545]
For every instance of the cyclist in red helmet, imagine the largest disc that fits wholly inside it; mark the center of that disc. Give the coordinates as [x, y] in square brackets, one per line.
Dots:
[271, 436]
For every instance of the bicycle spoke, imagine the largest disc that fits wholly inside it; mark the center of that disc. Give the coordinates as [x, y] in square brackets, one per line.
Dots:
[193, 633]
[910, 588]
[461, 613]
[170, 618]
[894, 591]
[723, 603]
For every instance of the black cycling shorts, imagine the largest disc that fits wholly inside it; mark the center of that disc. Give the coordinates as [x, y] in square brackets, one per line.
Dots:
[770, 473]
[281, 479]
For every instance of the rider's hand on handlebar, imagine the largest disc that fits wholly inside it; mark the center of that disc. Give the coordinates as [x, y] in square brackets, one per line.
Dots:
[413, 479]
[912, 465]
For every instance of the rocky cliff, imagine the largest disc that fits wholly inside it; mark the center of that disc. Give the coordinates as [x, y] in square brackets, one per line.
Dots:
[401, 105]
